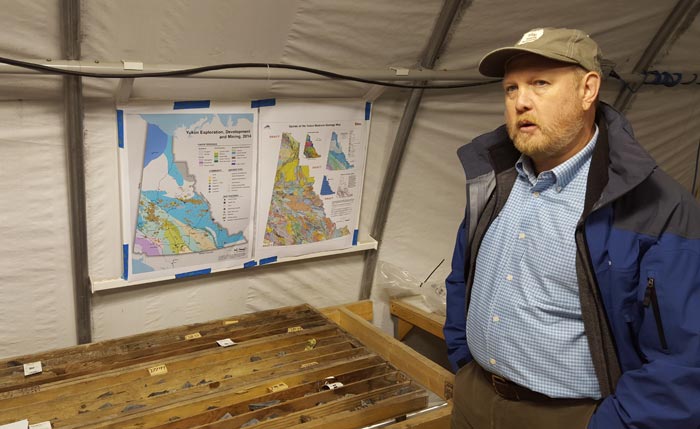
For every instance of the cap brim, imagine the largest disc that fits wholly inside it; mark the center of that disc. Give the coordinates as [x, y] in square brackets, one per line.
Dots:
[494, 63]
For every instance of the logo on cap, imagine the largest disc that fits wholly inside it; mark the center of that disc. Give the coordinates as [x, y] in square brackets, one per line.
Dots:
[531, 36]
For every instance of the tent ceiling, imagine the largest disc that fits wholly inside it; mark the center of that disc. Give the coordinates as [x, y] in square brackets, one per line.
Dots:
[623, 29]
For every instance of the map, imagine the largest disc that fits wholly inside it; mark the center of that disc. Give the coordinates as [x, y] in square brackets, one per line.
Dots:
[297, 215]
[209, 186]
[336, 156]
[194, 205]
[326, 187]
[307, 150]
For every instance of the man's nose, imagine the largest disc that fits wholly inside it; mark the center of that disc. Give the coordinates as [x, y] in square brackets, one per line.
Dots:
[523, 101]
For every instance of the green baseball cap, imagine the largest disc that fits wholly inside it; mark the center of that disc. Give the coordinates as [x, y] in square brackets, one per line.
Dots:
[560, 44]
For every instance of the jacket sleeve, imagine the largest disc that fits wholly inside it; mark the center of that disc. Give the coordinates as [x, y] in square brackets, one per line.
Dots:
[664, 392]
[456, 321]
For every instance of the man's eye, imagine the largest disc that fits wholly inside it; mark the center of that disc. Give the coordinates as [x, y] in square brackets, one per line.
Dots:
[510, 89]
[540, 83]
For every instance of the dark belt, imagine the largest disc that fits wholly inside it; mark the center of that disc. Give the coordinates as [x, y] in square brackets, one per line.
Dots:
[514, 392]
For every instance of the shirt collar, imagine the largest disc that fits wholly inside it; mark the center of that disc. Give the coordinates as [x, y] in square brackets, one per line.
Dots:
[564, 172]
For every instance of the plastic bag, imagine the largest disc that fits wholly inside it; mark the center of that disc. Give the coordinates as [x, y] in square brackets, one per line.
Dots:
[436, 299]
[396, 282]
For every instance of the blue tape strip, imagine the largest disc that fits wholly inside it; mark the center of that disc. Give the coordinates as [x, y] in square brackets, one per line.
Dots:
[368, 110]
[250, 264]
[201, 104]
[354, 237]
[267, 102]
[269, 260]
[120, 128]
[125, 256]
[193, 273]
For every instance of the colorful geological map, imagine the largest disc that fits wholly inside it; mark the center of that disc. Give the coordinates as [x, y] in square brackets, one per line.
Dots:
[336, 156]
[174, 217]
[309, 149]
[296, 215]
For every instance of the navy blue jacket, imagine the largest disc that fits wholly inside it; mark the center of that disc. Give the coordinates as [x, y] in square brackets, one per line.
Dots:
[638, 268]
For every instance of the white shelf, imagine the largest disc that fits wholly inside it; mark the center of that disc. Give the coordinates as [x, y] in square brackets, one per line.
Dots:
[362, 246]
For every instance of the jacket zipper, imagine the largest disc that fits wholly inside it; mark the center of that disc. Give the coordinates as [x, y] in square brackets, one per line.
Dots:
[469, 278]
[650, 298]
[611, 365]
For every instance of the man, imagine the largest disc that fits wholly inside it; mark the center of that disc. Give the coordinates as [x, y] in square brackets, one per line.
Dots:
[574, 296]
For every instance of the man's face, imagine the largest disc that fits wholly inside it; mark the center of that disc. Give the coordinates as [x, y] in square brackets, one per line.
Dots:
[543, 105]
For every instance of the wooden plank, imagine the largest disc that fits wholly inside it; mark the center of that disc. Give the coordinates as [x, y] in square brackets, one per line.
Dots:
[131, 353]
[413, 315]
[163, 357]
[418, 367]
[53, 359]
[295, 398]
[103, 348]
[167, 388]
[319, 403]
[111, 387]
[364, 309]
[322, 414]
[105, 380]
[402, 329]
[162, 353]
[247, 390]
[360, 416]
[434, 419]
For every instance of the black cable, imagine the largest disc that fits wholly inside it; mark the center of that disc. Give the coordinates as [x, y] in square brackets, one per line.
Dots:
[431, 273]
[613, 74]
[664, 78]
[197, 70]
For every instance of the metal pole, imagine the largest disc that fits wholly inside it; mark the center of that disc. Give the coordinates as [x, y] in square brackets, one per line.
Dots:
[444, 22]
[73, 103]
[684, 12]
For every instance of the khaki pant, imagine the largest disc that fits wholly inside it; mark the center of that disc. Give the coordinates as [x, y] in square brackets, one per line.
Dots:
[478, 406]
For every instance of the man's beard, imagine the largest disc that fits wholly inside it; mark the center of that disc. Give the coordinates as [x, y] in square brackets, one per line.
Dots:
[555, 134]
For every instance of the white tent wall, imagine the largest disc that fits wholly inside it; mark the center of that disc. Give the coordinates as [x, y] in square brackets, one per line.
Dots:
[665, 120]
[428, 202]
[30, 30]
[36, 310]
[187, 33]
[36, 293]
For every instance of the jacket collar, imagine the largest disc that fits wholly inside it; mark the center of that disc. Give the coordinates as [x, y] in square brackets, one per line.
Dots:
[619, 163]
[628, 163]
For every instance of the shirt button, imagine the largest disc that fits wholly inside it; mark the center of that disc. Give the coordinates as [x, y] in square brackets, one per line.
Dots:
[521, 235]
[492, 361]
[558, 188]
[535, 194]
[496, 318]
[509, 277]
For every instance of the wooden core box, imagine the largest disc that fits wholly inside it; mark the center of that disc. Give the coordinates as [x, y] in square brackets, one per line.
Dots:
[294, 367]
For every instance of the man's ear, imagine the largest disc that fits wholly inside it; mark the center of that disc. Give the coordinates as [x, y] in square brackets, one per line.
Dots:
[589, 87]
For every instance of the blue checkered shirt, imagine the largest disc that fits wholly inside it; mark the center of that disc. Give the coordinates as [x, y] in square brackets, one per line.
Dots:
[524, 321]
